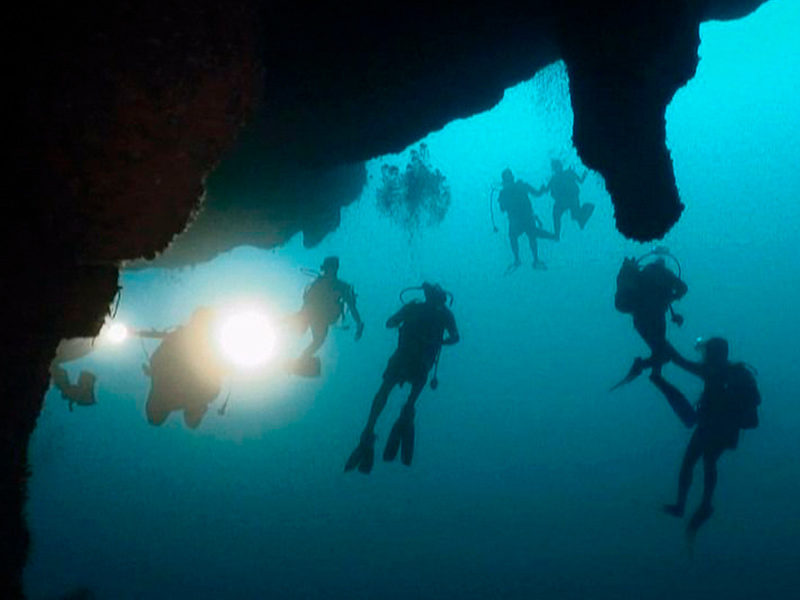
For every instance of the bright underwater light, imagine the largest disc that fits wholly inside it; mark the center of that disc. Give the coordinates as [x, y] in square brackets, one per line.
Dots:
[246, 338]
[115, 332]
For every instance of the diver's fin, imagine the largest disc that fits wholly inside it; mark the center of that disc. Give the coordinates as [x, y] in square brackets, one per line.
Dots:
[394, 440]
[635, 370]
[401, 438]
[407, 446]
[511, 268]
[674, 510]
[363, 456]
[60, 377]
[700, 516]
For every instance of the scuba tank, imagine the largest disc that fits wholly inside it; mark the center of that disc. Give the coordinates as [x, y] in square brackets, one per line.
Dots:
[626, 298]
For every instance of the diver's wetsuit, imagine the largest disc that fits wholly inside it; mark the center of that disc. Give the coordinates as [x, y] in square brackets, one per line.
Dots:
[717, 430]
[421, 336]
[658, 288]
[185, 373]
[564, 189]
[323, 304]
[514, 200]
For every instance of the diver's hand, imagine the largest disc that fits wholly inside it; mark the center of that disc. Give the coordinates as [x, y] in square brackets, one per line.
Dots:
[359, 331]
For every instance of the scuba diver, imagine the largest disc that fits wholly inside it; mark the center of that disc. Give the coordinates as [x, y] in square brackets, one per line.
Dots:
[647, 293]
[563, 187]
[729, 402]
[185, 370]
[421, 337]
[514, 201]
[324, 303]
[82, 392]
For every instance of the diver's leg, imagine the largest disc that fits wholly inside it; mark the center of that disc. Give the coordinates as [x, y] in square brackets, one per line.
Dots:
[710, 457]
[319, 331]
[155, 415]
[193, 416]
[378, 404]
[693, 452]
[534, 245]
[407, 416]
[530, 231]
[653, 330]
[416, 390]
[513, 237]
[574, 208]
[297, 322]
[363, 456]
[677, 401]
[558, 212]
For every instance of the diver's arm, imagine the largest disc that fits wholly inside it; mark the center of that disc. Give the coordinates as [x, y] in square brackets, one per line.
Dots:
[452, 332]
[679, 288]
[350, 300]
[695, 368]
[396, 319]
[534, 191]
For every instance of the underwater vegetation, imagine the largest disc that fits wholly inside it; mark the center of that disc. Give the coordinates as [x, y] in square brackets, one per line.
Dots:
[419, 195]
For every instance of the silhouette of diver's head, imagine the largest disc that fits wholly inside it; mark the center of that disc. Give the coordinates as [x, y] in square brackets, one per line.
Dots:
[434, 294]
[330, 266]
[714, 350]
[508, 177]
[556, 165]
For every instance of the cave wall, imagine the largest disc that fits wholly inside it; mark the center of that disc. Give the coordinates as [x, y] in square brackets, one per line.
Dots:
[118, 115]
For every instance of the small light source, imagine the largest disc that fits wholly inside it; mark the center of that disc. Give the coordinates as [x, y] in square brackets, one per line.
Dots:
[246, 338]
[116, 333]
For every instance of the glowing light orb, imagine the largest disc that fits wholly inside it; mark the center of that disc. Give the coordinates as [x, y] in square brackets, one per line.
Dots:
[247, 339]
[116, 333]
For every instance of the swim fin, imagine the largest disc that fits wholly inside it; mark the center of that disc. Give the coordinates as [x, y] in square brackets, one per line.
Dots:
[363, 457]
[701, 515]
[407, 445]
[635, 370]
[401, 438]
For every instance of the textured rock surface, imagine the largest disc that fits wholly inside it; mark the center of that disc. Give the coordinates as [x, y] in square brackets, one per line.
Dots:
[118, 116]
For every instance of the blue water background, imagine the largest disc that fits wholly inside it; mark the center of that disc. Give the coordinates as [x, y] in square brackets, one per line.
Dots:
[529, 479]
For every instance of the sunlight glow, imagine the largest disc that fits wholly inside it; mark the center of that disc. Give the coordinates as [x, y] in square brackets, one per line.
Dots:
[114, 332]
[246, 338]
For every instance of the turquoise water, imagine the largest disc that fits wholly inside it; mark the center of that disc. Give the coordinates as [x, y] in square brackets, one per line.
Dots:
[529, 479]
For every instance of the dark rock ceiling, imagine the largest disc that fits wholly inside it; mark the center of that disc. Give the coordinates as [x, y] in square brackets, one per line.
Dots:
[118, 115]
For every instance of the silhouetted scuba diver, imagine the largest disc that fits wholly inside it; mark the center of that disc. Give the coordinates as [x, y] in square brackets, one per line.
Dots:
[421, 337]
[647, 293]
[82, 392]
[324, 303]
[185, 370]
[729, 402]
[563, 187]
[514, 201]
